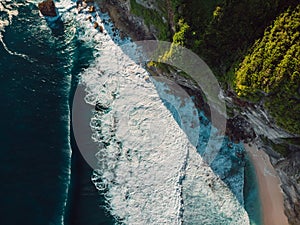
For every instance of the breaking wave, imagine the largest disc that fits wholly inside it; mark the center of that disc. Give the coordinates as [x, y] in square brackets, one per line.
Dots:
[148, 168]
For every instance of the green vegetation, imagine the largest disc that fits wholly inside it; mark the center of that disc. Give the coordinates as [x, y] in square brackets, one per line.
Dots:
[280, 147]
[231, 36]
[152, 17]
[179, 37]
[272, 71]
[198, 15]
[234, 28]
[222, 31]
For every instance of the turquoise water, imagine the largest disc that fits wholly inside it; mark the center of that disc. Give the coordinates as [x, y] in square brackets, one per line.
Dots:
[251, 192]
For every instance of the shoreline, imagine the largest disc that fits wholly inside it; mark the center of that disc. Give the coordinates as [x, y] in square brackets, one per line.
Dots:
[272, 209]
[271, 195]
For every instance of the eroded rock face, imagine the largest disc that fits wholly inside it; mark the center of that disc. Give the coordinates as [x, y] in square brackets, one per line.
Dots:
[127, 23]
[239, 129]
[47, 8]
[289, 173]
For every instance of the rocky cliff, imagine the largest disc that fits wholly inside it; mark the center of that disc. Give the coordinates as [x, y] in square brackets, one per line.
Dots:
[125, 21]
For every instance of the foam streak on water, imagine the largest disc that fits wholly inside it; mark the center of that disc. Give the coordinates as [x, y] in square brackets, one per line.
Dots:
[69, 35]
[9, 10]
[148, 168]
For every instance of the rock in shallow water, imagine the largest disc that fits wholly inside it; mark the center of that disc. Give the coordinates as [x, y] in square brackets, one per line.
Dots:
[47, 8]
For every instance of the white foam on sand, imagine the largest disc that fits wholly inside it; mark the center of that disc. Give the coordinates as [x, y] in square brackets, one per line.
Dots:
[147, 166]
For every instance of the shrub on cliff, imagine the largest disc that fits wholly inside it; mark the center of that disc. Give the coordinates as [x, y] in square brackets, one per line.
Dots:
[233, 27]
[271, 71]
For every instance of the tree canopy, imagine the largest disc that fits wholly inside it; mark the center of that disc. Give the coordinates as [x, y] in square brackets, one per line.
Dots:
[271, 71]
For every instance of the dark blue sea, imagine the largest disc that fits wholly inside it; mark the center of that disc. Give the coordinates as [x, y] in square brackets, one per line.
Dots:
[39, 69]
[44, 179]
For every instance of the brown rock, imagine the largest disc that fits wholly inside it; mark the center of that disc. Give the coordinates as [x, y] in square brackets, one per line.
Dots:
[96, 26]
[47, 8]
[92, 9]
[89, 18]
[124, 21]
[101, 29]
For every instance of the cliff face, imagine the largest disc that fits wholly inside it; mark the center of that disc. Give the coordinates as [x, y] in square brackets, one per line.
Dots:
[125, 21]
[250, 118]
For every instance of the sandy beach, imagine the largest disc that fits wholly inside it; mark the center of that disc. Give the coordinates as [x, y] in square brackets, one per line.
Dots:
[269, 188]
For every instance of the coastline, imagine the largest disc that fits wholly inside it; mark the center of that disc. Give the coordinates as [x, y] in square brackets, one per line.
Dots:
[268, 204]
[271, 195]
[247, 120]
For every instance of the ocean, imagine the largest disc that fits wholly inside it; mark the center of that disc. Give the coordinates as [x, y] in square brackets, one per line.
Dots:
[39, 68]
[45, 179]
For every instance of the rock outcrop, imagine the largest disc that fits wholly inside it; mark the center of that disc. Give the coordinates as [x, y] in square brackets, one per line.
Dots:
[47, 8]
[127, 23]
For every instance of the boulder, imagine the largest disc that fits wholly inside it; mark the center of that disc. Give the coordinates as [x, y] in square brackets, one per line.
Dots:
[96, 25]
[89, 18]
[101, 28]
[47, 8]
[92, 9]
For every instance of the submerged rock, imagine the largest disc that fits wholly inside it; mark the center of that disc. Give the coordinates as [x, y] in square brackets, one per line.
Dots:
[100, 107]
[47, 8]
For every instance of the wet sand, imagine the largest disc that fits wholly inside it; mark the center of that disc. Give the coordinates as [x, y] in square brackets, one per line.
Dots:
[269, 188]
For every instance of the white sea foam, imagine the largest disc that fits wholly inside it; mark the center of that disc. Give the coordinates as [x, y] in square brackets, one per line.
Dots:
[148, 167]
[9, 10]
